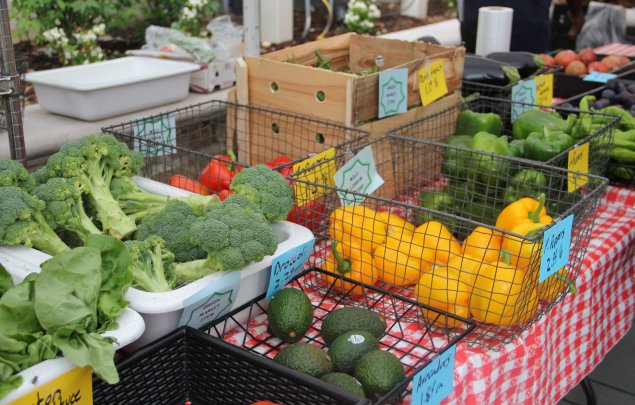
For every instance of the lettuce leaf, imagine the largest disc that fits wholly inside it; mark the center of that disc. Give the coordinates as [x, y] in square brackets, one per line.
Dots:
[17, 313]
[5, 281]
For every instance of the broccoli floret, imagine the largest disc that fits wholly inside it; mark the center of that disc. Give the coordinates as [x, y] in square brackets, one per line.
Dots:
[243, 202]
[173, 225]
[92, 163]
[232, 236]
[13, 173]
[138, 203]
[151, 264]
[266, 188]
[22, 222]
[64, 208]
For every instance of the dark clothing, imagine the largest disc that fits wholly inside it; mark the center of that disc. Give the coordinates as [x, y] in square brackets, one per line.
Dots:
[530, 24]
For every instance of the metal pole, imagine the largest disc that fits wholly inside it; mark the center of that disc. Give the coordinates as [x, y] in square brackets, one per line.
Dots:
[12, 96]
[251, 21]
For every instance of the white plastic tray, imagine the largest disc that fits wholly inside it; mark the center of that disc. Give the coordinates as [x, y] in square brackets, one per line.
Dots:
[161, 312]
[106, 89]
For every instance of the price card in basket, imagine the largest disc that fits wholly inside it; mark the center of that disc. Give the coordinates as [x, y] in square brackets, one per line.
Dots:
[288, 265]
[556, 246]
[578, 160]
[393, 92]
[73, 387]
[432, 82]
[322, 169]
[523, 93]
[599, 77]
[212, 302]
[358, 175]
[544, 89]
[155, 136]
[436, 381]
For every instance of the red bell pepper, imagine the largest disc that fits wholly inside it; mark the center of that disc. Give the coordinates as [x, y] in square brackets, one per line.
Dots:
[219, 172]
[224, 194]
[184, 182]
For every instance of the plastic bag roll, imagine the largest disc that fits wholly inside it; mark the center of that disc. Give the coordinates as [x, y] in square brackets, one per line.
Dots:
[494, 30]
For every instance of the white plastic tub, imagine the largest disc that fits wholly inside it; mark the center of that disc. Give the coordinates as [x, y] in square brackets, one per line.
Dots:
[106, 89]
[162, 312]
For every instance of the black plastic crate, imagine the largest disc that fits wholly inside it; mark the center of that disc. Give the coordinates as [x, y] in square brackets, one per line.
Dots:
[415, 340]
[191, 367]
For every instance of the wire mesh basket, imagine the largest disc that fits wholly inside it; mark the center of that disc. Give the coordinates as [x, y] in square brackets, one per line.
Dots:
[505, 92]
[190, 367]
[21, 64]
[409, 335]
[197, 142]
[436, 236]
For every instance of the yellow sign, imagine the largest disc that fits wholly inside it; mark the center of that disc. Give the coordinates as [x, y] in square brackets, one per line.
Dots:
[322, 170]
[544, 89]
[74, 387]
[579, 162]
[432, 82]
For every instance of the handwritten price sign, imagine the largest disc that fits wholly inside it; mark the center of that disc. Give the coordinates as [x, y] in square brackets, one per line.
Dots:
[578, 160]
[74, 387]
[288, 265]
[436, 381]
[555, 248]
[322, 170]
[432, 82]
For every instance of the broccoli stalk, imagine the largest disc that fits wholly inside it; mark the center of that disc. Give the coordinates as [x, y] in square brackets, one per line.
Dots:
[151, 264]
[232, 235]
[22, 222]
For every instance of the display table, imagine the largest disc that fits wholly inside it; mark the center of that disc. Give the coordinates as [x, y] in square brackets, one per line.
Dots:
[562, 348]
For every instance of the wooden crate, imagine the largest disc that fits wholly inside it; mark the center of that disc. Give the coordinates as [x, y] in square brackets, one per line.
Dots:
[286, 79]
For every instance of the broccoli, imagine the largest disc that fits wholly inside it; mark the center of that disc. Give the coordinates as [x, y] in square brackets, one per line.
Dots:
[92, 163]
[232, 236]
[267, 188]
[173, 225]
[64, 207]
[151, 264]
[12, 173]
[138, 203]
[22, 222]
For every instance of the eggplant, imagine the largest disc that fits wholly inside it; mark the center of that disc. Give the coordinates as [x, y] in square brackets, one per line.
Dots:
[482, 70]
[526, 62]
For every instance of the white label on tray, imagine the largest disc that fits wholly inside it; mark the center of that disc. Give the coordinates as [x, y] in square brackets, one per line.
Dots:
[555, 248]
[523, 92]
[358, 175]
[155, 136]
[288, 265]
[435, 381]
[212, 302]
[393, 92]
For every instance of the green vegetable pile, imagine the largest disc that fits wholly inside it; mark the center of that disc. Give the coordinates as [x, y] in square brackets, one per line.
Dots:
[87, 189]
[64, 310]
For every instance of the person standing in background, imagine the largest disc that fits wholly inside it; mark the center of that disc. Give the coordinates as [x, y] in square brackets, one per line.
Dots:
[531, 26]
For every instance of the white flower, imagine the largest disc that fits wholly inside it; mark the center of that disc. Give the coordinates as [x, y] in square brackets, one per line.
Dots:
[188, 13]
[374, 12]
[197, 3]
[367, 24]
[67, 55]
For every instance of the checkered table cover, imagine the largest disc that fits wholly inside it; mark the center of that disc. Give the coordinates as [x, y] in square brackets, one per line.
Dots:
[616, 49]
[567, 343]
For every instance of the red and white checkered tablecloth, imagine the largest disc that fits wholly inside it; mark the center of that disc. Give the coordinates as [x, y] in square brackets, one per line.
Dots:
[616, 49]
[570, 341]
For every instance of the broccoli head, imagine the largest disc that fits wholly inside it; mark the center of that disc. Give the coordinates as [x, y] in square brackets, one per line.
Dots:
[22, 222]
[91, 163]
[64, 207]
[232, 236]
[266, 188]
[13, 173]
[151, 264]
[173, 225]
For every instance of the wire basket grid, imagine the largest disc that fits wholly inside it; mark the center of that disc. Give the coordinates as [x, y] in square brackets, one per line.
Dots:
[505, 92]
[432, 234]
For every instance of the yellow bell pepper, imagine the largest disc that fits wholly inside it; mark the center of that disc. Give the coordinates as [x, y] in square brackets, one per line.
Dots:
[524, 252]
[525, 210]
[443, 288]
[349, 260]
[357, 224]
[468, 267]
[396, 227]
[396, 268]
[549, 289]
[435, 235]
[503, 295]
[483, 244]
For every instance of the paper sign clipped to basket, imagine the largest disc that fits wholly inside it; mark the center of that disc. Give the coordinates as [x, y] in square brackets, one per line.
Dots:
[155, 136]
[73, 387]
[599, 77]
[393, 92]
[432, 82]
[358, 175]
[318, 174]
[578, 160]
[555, 248]
[212, 302]
[544, 89]
[523, 93]
[436, 381]
[286, 266]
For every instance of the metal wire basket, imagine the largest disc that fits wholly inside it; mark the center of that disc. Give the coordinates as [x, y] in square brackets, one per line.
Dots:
[504, 92]
[418, 251]
[409, 336]
[187, 140]
[21, 64]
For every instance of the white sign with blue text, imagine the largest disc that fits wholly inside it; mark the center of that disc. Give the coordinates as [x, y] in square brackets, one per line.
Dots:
[556, 246]
[212, 302]
[286, 266]
[435, 381]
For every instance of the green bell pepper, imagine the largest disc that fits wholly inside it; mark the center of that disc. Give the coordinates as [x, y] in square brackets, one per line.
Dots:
[491, 143]
[437, 200]
[526, 183]
[536, 120]
[489, 169]
[453, 162]
[517, 148]
[470, 123]
[547, 144]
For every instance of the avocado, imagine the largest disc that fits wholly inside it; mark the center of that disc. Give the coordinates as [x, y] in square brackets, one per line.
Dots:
[305, 358]
[352, 318]
[345, 382]
[290, 314]
[349, 347]
[379, 371]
